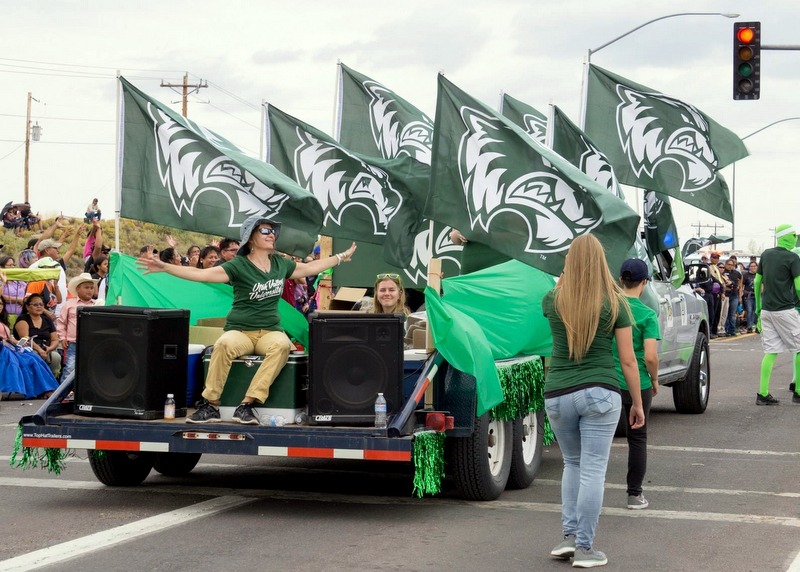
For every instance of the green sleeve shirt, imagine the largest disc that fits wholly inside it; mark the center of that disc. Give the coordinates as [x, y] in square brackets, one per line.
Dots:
[256, 293]
[645, 327]
[565, 375]
[779, 267]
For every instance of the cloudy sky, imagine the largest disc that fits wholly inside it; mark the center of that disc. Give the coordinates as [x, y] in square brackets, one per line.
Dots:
[66, 54]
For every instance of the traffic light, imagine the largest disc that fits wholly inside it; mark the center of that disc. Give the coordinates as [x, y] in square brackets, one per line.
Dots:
[746, 60]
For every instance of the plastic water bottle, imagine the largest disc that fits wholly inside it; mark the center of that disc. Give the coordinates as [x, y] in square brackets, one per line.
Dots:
[301, 418]
[380, 412]
[277, 420]
[169, 407]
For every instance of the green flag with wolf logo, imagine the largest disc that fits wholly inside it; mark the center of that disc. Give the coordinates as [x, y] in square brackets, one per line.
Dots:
[501, 188]
[375, 121]
[363, 198]
[179, 174]
[530, 120]
[575, 146]
[660, 143]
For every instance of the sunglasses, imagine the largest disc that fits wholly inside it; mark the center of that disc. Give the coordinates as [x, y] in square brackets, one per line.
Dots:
[387, 275]
[37, 304]
[267, 231]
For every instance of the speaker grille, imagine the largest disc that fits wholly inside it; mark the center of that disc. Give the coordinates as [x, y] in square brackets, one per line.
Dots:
[114, 373]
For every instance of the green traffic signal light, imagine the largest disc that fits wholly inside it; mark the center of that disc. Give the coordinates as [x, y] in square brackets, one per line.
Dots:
[746, 60]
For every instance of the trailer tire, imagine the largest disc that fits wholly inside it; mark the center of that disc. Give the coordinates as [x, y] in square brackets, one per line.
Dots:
[527, 449]
[176, 464]
[120, 468]
[690, 395]
[481, 462]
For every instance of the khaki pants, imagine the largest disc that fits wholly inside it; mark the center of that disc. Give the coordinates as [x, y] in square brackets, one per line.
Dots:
[274, 346]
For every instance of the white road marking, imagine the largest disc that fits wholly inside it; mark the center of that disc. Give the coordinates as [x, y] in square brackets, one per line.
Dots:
[714, 450]
[125, 533]
[366, 499]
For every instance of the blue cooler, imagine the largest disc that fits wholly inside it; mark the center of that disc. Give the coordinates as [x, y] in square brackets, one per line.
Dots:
[413, 364]
[194, 374]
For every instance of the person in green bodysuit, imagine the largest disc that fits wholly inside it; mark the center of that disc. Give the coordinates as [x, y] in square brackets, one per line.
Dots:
[778, 321]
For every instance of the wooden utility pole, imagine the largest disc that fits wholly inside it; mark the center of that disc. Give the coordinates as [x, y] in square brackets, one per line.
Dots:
[27, 145]
[185, 90]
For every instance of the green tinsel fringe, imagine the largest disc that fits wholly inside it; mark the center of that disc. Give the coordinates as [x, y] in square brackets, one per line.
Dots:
[428, 463]
[50, 458]
[523, 392]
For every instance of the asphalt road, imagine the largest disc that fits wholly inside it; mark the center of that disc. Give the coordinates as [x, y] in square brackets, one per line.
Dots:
[723, 491]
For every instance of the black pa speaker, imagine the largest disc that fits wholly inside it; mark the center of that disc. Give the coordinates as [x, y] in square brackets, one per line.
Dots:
[128, 359]
[352, 358]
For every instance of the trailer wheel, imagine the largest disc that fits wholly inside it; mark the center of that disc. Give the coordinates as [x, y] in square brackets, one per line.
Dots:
[176, 464]
[527, 449]
[690, 395]
[481, 462]
[120, 468]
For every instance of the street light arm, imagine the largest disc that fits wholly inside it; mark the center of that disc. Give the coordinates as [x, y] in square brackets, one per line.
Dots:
[770, 125]
[629, 32]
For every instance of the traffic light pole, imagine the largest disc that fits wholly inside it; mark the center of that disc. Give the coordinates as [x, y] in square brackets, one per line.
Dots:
[790, 47]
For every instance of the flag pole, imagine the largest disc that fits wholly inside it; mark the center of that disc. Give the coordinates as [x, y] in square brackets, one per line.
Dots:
[338, 101]
[584, 90]
[261, 151]
[500, 104]
[118, 178]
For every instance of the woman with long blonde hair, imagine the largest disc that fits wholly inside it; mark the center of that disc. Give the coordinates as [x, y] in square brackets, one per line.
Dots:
[586, 310]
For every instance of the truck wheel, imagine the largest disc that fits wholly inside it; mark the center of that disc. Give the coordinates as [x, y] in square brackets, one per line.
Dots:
[691, 394]
[176, 464]
[481, 462]
[527, 449]
[120, 468]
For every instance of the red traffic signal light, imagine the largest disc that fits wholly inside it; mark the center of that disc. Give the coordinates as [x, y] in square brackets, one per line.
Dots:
[746, 60]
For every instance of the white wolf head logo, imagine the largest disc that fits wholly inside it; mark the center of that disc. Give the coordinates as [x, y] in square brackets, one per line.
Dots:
[392, 137]
[341, 181]
[651, 139]
[443, 248]
[652, 208]
[188, 169]
[596, 166]
[536, 127]
[552, 210]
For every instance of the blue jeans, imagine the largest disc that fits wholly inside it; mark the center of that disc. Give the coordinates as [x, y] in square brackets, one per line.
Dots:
[749, 303]
[733, 311]
[69, 365]
[584, 423]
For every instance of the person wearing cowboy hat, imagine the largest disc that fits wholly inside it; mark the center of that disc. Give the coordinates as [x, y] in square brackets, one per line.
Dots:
[257, 274]
[81, 289]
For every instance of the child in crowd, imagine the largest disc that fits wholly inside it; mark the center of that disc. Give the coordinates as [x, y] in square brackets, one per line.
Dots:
[82, 287]
[646, 333]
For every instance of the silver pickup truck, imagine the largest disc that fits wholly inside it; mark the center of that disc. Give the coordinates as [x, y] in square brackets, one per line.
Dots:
[683, 350]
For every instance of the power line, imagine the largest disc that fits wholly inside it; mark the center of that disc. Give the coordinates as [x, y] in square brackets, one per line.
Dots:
[47, 117]
[58, 142]
[83, 66]
[17, 148]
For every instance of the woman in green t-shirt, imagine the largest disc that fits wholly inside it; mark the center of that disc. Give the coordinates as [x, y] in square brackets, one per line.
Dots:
[257, 275]
[586, 310]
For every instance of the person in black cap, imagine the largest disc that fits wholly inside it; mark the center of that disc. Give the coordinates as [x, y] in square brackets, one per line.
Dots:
[257, 275]
[634, 276]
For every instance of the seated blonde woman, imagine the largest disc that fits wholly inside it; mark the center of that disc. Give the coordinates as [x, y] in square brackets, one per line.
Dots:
[389, 296]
